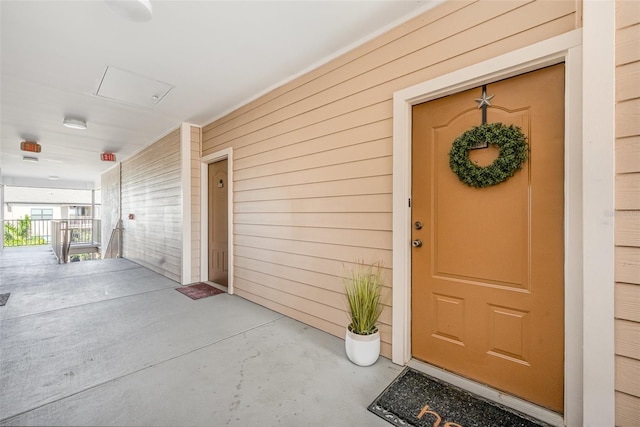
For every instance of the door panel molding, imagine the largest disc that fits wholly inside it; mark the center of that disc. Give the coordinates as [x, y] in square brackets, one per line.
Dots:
[227, 154]
[564, 48]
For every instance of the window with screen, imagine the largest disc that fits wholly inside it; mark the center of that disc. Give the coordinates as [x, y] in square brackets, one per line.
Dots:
[38, 213]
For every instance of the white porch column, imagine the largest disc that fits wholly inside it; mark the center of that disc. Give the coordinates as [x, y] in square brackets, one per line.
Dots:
[185, 176]
[598, 131]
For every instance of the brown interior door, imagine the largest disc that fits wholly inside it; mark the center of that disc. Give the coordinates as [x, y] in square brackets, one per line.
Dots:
[488, 282]
[218, 223]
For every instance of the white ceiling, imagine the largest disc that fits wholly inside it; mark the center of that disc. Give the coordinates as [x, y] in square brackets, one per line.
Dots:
[217, 54]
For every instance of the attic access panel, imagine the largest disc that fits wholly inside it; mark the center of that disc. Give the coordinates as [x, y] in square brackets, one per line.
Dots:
[131, 88]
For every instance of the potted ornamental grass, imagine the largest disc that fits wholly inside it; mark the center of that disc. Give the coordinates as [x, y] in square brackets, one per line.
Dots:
[363, 288]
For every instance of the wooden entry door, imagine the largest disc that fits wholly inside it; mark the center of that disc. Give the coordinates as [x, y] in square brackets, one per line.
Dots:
[488, 281]
[218, 223]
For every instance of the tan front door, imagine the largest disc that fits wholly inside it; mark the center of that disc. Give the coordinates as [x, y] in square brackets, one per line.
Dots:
[218, 226]
[488, 281]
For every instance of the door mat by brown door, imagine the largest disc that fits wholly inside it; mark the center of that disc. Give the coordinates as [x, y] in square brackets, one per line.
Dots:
[199, 290]
[415, 399]
[4, 298]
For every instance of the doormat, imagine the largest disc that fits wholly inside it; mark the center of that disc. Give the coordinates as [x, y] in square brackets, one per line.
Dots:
[418, 400]
[199, 290]
[4, 298]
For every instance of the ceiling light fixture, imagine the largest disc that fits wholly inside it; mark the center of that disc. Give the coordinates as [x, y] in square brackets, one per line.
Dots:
[30, 159]
[74, 123]
[54, 178]
[134, 10]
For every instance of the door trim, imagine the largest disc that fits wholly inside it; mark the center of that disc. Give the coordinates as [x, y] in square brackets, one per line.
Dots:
[205, 161]
[565, 48]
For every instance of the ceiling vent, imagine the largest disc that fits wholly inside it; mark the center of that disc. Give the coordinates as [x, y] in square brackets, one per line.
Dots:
[30, 159]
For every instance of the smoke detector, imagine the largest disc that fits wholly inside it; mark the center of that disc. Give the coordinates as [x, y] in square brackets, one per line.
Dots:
[74, 123]
[134, 10]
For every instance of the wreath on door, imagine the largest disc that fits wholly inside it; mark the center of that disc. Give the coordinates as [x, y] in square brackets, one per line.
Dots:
[514, 151]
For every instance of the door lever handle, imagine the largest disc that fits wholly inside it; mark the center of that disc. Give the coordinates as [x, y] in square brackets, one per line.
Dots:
[416, 243]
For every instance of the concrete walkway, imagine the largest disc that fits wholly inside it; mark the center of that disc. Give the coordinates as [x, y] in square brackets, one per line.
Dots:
[112, 343]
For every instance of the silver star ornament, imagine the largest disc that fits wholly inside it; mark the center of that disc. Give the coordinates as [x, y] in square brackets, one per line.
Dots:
[484, 100]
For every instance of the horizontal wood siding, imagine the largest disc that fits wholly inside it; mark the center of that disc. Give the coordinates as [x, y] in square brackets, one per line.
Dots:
[151, 192]
[196, 228]
[627, 218]
[312, 158]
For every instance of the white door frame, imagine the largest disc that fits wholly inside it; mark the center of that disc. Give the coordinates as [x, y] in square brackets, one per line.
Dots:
[565, 48]
[205, 161]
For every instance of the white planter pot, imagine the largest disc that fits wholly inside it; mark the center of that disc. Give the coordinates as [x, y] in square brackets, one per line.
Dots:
[363, 350]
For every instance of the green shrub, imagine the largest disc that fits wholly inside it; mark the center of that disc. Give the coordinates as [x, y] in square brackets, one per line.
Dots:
[20, 234]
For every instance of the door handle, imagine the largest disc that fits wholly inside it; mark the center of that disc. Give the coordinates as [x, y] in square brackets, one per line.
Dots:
[416, 243]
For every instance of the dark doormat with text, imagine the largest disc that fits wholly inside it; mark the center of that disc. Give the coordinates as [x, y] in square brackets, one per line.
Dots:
[199, 290]
[4, 298]
[416, 399]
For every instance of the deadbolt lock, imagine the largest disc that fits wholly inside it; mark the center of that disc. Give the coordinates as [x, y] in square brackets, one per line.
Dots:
[418, 225]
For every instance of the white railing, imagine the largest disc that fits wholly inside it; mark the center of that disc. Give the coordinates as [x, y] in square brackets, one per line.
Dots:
[114, 247]
[74, 236]
[60, 241]
[35, 232]
[26, 232]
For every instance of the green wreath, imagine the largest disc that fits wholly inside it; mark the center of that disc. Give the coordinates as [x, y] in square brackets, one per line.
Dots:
[513, 147]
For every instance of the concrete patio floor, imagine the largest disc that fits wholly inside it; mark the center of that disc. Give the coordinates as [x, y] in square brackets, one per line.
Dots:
[112, 343]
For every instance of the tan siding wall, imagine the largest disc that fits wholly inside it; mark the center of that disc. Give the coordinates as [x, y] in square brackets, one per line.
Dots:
[151, 191]
[312, 159]
[196, 228]
[627, 213]
[110, 188]
[2, 212]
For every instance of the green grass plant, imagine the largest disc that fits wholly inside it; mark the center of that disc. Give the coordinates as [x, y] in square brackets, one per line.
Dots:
[363, 287]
